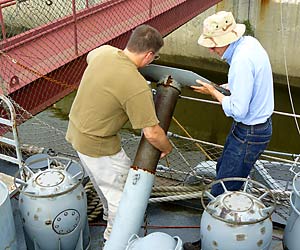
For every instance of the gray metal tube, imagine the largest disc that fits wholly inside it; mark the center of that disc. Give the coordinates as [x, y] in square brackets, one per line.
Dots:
[8, 238]
[140, 179]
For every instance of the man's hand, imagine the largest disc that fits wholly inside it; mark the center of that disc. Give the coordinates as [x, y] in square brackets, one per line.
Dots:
[157, 137]
[163, 154]
[208, 89]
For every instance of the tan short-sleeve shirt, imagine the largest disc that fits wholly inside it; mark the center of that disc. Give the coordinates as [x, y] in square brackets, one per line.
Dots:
[111, 91]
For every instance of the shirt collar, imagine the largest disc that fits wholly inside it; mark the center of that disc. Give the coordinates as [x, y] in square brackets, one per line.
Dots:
[227, 56]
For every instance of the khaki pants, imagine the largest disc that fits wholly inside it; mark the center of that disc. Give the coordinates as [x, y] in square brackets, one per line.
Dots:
[108, 175]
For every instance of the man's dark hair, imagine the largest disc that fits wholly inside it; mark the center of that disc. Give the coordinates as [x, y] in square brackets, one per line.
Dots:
[145, 38]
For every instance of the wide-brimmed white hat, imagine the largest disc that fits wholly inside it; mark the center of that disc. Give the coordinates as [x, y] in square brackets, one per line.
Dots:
[220, 30]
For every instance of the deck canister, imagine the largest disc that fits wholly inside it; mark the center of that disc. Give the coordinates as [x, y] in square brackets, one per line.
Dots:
[53, 208]
[296, 190]
[8, 240]
[238, 219]
[292, 228]
[156, 240]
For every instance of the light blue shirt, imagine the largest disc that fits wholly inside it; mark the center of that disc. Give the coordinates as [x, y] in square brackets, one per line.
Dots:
[250, 82]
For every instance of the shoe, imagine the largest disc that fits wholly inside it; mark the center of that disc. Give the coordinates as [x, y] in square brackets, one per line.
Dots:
[192, 245]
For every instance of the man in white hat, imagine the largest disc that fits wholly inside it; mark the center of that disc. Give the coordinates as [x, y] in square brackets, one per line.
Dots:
[250, 104]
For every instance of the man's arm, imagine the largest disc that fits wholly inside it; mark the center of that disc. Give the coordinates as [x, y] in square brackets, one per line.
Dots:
[157, 137]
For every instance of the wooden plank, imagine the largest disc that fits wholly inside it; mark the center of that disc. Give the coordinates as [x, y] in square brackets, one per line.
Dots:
[9, 182]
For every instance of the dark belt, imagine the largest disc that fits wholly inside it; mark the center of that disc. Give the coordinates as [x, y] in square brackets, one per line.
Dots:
[257, 126]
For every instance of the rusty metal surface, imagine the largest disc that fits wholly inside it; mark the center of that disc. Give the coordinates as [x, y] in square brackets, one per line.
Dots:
[147, 156]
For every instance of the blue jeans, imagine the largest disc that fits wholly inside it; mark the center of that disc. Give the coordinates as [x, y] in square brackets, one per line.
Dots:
[243, 146]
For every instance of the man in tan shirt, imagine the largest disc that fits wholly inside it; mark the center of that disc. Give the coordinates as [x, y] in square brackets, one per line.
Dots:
[112, 91]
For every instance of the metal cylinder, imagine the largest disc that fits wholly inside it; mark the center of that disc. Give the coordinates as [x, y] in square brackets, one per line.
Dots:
[237, 219]
[296, 190]
[53, 208]
[168, 91]
[292, 228]
[141, 175]
[224, 236]
[8, 240]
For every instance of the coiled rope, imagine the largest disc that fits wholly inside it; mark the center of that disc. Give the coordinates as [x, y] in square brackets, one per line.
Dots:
[161, 194]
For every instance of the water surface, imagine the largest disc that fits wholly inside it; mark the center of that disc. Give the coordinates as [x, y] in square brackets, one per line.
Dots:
[207, 121]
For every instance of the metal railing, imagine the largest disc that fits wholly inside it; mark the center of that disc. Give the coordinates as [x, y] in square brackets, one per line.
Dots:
[9, 120]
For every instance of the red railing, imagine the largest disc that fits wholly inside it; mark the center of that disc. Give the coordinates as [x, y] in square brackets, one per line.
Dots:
[51, 56]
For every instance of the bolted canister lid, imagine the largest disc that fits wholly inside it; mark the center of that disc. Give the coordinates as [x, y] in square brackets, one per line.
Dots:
[49, 182]
[238, 202]
[50, 178]
[236, 207]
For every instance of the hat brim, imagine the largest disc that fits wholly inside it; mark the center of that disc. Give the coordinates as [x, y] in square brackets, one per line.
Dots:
[220, 41]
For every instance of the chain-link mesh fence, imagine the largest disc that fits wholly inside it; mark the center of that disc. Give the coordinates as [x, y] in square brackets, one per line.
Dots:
[42, 49]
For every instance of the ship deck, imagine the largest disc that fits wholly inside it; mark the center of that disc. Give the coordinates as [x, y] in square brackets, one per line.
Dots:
[177, 218]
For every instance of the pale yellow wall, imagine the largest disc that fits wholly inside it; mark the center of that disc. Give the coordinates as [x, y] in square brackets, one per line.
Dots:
[267, 18]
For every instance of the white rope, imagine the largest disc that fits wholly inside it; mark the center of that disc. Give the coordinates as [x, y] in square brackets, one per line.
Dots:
[170, 134]
[194, 140]
[176, 197]
[288, 114]
[175, 188]
[214, 102]
[286, 68]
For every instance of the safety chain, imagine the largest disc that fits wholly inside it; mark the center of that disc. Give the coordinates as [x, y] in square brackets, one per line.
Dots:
[34, 71]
